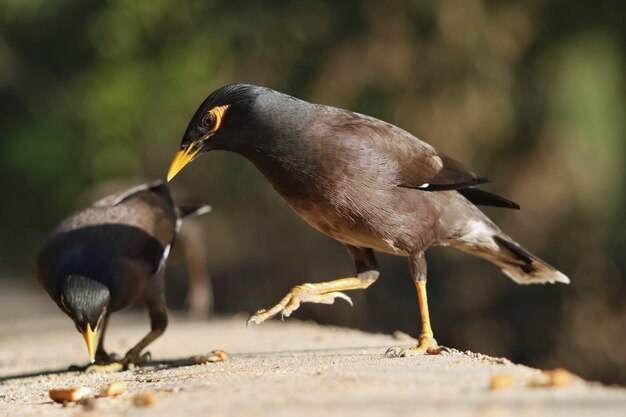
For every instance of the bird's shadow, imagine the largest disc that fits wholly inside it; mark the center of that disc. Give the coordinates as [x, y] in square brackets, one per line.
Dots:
[181, 362]
[25, 375]
[78, 369]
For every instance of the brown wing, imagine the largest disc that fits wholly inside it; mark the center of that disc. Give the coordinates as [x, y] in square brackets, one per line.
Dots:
[148, 207]
[419, 164]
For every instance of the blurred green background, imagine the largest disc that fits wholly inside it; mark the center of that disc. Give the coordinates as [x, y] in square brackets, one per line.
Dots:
[530, 94]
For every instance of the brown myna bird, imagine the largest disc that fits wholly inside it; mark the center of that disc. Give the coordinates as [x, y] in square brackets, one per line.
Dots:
[364, 182]
[112, 255]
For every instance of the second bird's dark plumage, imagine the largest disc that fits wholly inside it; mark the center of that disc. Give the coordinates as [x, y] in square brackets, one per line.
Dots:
[362, 181]
[112, 255]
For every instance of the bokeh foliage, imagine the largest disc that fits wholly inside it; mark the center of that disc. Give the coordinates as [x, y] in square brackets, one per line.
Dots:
[530, 94]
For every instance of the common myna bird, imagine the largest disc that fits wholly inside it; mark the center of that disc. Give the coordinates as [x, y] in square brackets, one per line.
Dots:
[362, 181]
[112, 255]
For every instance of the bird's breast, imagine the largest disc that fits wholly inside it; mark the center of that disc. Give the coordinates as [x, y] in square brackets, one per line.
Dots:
[350, 194]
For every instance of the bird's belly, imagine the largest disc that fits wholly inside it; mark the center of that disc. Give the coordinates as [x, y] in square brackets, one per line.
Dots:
[362, 230]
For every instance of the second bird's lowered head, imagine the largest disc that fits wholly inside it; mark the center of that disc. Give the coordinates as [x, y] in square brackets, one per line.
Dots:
[85, 301]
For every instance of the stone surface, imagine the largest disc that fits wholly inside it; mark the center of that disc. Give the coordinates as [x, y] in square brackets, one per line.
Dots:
[280, 369]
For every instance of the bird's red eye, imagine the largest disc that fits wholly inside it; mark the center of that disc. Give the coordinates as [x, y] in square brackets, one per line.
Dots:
[208, 121]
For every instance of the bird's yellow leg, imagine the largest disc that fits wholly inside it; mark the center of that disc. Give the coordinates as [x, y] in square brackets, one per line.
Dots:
[323, 292]
[426, 340]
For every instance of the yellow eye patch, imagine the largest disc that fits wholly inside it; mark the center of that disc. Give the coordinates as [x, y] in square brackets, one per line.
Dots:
[213, 118]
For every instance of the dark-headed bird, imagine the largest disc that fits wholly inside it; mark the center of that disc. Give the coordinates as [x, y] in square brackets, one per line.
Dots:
[362, 181]
[112, 255]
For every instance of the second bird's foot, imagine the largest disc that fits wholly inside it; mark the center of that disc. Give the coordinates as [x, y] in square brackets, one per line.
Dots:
[426, 345]
[136, 358]
[305, 293]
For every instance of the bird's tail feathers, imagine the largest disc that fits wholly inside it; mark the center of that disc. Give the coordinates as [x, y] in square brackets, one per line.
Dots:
[197, 210]
[522, 266]
[486, 241]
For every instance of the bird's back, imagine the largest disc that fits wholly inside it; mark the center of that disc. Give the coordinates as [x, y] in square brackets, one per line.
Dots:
[119, 240]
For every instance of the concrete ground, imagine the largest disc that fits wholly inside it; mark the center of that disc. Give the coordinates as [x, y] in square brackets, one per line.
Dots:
[279, 369]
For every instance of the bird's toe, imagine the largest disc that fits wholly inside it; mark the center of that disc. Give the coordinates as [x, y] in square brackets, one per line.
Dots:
[403, 352]
[426, 345]
[144, 358]
[292, 305]
[259, 317]
[133, 358]
[394, 352]
[342, 296]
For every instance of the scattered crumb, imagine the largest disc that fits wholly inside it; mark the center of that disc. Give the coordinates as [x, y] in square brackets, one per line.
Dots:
[215, 356]
[144, 399]
[113, 389]
[501, 381]
[74, 394]
[556, 378]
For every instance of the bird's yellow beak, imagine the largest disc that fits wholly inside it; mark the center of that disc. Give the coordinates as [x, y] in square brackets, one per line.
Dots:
[90, 339]
[183, 157]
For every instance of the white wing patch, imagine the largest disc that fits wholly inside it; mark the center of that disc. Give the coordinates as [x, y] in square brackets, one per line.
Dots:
[478, 233]
[166, 253]
[392, 245]
[438, 161]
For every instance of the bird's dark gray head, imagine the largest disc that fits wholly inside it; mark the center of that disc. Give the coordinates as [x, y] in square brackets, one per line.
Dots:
[85, 301]
[223, 121]
[218, 111]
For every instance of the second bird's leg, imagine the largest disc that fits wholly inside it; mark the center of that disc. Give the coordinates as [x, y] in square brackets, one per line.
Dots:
[426, 340]
[325, 292]
[158, 323]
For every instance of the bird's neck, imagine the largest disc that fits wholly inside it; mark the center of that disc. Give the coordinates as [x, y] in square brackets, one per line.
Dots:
[277, 143]
[284, 161]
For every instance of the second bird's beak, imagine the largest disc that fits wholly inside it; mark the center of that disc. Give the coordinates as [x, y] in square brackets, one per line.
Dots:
[90, 339]
[183, 157]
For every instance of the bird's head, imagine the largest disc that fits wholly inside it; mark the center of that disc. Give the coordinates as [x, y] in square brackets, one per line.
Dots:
[85, 301]
[219, 123]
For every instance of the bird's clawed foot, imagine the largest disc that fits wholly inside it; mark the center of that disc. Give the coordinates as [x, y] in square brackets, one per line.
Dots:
[134, 357]
[305, 293]
[427, 345]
